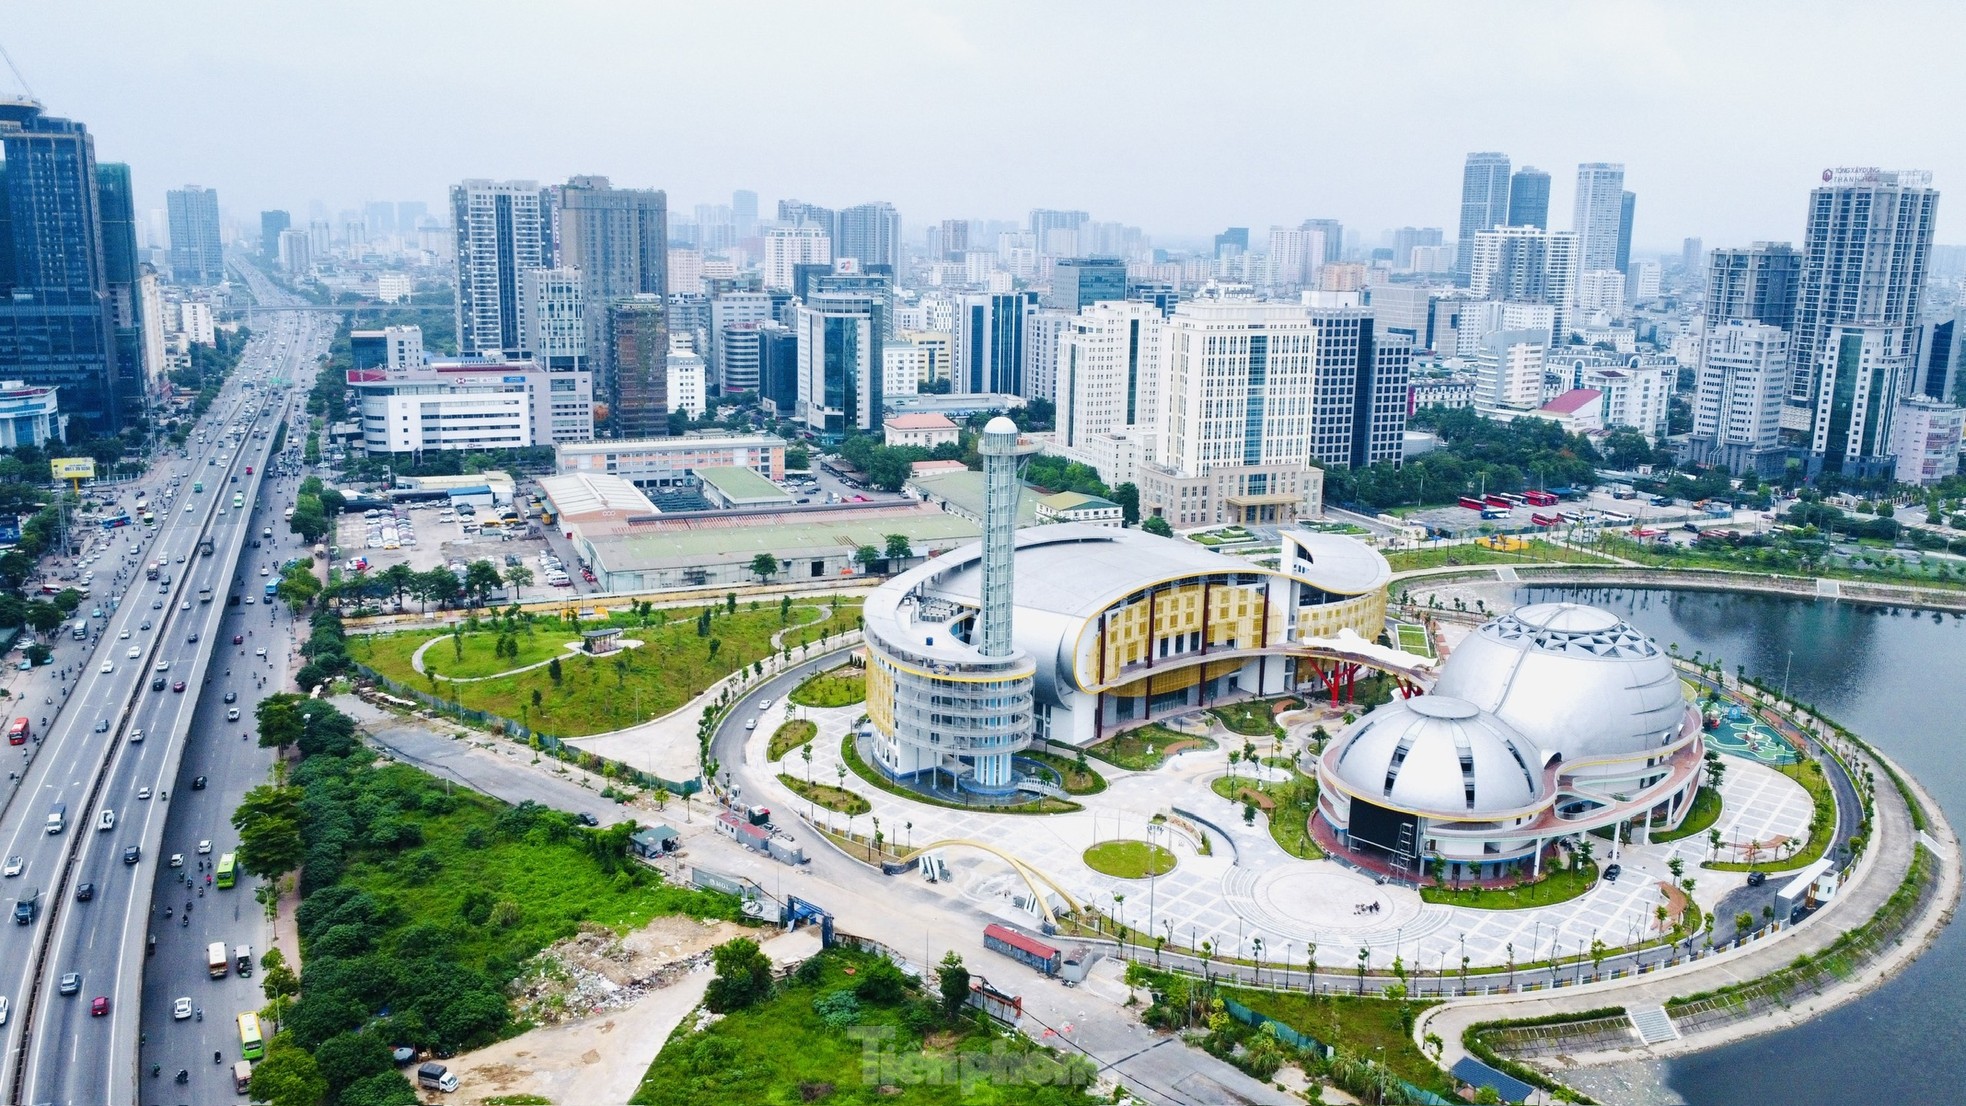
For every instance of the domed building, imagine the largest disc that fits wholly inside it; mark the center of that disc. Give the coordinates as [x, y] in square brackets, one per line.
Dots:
[1550, 721]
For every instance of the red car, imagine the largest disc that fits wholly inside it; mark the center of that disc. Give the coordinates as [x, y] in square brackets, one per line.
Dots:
[99, 1006]
[179, 686]
[238, 639]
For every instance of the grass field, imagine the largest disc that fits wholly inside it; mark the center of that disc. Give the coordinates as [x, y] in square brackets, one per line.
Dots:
[795, 1047]
[598, 694]
[872, 775]
[477, 655]
[1369, 1028]
[790, 736]
[1146, 748]
[1129, 859]
[1413, 639]
[1077, 781]
[1256, 718]
[1705, 812]
[1286, 805]
[1558, 885]
[837, 799]
[838, 688]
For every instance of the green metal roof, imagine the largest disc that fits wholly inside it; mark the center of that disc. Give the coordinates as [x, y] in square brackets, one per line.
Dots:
[742, 485]
[785, 536]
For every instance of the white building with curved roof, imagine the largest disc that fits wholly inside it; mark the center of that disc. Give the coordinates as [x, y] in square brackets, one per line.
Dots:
[1550, 721]
[1115, 628]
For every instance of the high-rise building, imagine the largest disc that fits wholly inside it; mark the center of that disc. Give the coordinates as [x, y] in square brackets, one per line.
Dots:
[553, 328]
[1865, 246]
[841, 373]
[1941, 372]
[1627, 204]
[685, 390]
[1925, 440]
[778, 366]
[638, 336]
[1527, 265]
[1296, 255]
[123, 277]
[296, 254]
[953, 239]
[379, 216]
[1692, 256]
[989, 346]
[391, 349]
[196, 256]
[499, 234]
[736, 309]
[1529, 198]
[1079, 282]
[1232, 242]
[1756, 284]
[1408, 239]
[798, 213]
[1484, 203]
[1598, 213]
[618, 239]
[788, 247]
[1509, 370]
[1334, 238]
[271, 225]
[1737, 409]
[1057, 233]
[56, 320]
[1108, 391]
[870, 233]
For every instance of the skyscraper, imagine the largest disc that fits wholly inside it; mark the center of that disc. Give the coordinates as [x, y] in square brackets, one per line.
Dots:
[1692, 256]
[1598, 213]
[870, 233]
[1756, 284]
[1627, 204]
[1057, 233]
[1528, 265]
[1529, 198]
[56, 328]
[841, 383]
[618, 238]
[499, 234]
[1484, 202]
[271, 223]
[1865, 247]
[1079, 282]
[744, 213]
[1108, 392]
[1334, 239]
[786, 248]
[638, 336]
[122, 280]
[1737, 409]
[196, 256]
[989, 346]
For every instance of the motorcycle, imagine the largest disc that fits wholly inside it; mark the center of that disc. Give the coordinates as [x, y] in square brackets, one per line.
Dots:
[201, 1013]
[184, 1075]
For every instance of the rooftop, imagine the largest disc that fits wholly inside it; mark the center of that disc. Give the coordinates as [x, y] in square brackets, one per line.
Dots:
[647, 445]
[1076, 569]
[963, 489]
[1573, 401]
[742, 485]
[682, 543]
[920, 421]
[1336, 563]
[589, 495]
[1077, 501]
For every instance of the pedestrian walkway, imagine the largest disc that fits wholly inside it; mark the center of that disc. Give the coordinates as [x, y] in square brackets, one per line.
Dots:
[1654, 1027]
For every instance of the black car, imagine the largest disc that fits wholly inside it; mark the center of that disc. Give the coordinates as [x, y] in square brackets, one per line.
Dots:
[197, 783]
[132, 854]
[157, 684]
[1756, 879]
[85, 892]
[231, 696]
[193, 639]
[587, 819]
[1612, 873]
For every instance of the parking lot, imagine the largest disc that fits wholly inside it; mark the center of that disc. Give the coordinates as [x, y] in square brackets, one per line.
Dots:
[427, 539]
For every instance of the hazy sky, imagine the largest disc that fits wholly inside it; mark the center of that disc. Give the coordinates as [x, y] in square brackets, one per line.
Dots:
[1181, 118]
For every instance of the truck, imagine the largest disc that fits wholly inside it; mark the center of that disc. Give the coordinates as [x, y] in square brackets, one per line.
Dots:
[25, 909]
[205, 547]
[215, 961]
[205, 594]
[242, 1076]
[432, 1076]
[57, 818]
[242, 960]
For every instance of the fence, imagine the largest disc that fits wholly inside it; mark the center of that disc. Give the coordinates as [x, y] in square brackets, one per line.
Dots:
[1529, 1041]
[1309, 1043]
[544, 742]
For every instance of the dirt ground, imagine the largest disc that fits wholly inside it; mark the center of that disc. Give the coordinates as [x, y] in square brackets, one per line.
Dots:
[612, 1005]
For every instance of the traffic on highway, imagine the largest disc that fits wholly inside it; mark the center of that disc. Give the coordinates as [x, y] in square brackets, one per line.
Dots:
[126, 876]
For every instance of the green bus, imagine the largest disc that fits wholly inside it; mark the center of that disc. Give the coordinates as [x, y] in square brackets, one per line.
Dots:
[251, 1045]
[226, 864]
[238, 499]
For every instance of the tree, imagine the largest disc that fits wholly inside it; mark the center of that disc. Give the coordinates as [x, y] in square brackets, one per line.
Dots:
[520, 577]
[898, 548]
[764, 566]
[866, 557]
[743, 976]
[279, 720]
[288, 1076]
[1157, 526]
[554, 672]
[298, 587]
[952, 979]
[269, 821]
[1626, 449]
[277, 980]
[43, 617]
[481, 578]
[1127, 495]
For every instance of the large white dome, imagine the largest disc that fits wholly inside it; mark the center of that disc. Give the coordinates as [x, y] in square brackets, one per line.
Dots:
[1439, 755]
[1577, 681]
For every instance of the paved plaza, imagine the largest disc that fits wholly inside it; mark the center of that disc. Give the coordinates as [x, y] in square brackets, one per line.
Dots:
[1247, 888]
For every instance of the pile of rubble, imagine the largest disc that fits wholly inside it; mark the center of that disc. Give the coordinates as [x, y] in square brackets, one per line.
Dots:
[595, 971]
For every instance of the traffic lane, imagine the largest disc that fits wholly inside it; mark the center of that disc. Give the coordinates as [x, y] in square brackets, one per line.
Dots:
[483, 770]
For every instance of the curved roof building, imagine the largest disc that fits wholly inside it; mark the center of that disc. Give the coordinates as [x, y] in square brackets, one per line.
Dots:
[1549, 721]
[1110, 629]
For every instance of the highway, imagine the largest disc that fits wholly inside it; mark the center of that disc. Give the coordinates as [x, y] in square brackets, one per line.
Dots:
[92, 761]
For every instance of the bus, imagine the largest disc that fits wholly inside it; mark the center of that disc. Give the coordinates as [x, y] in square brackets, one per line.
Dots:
[1471, 503]
[17, 732]
[150, 570]
[226, 864]
[149, 519]
[1540, 499]
[238, 500]
[272, 590]
[115, 521]
[1494, 500]
[251, 1045]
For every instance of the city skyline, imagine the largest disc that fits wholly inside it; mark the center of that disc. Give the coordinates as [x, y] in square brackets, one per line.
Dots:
[1376, 163]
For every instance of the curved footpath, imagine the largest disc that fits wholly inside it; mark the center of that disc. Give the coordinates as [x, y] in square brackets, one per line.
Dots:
[1878, 875]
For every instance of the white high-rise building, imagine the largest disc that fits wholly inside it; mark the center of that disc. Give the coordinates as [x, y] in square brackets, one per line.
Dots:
[905, 367]
[195, 320]
[1925, 440]
[1635, 395]
[296, 252]
[552, 327]
[1475, 320]
[685, 270]
[734, 309]
[1109, 382]
[499, 235]
[1598, 214]
[1509, 370]
[1737, 410]
[1044, 331]
[1601, 291]
[1296, 254]
[1644, 281]
[1528, 265]
[805, 244]
[686, 384]
[1485, 184]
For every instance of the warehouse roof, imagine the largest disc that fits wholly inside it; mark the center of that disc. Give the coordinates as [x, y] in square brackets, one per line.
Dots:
[584, 495]
[742, 486]
[683, 543]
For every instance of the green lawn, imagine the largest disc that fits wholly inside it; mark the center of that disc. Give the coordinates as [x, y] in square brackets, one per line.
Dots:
[1822, 825]
[790, 736]
[1538, 552]
[832, 798]
[1705, 812]
[479, 650]
[1145, 748]
[1557, 885]
[837, 688]
[1256, 718]
[1368, 1028]
[1129, 859]
[1286, 805]
[1077, 780]
[872, 775]
[598, 694]
[784, 1051]
[1413, 639]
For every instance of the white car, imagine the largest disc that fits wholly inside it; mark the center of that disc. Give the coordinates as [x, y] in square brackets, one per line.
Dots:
[143, 792]
[14, 865]
[109, 666]
[177, 860]
[181, 1009]
[134, 652]
[125, 635]
[108, 821]
[204, 848]
[3, 1009]
[163, 666]
[136, 737]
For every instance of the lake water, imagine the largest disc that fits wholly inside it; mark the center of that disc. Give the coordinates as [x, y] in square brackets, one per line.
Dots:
[1898, 678]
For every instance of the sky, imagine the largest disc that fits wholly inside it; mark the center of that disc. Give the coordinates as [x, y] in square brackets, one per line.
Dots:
[1180, 118]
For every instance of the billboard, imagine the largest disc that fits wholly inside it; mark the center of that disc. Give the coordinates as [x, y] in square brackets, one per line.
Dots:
[74, 468]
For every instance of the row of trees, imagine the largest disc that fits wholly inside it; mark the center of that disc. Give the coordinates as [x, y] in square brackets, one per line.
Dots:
[438, 585]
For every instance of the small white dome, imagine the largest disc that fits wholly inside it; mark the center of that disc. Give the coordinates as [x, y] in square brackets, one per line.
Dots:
[1577, 681]
[1441, 756]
